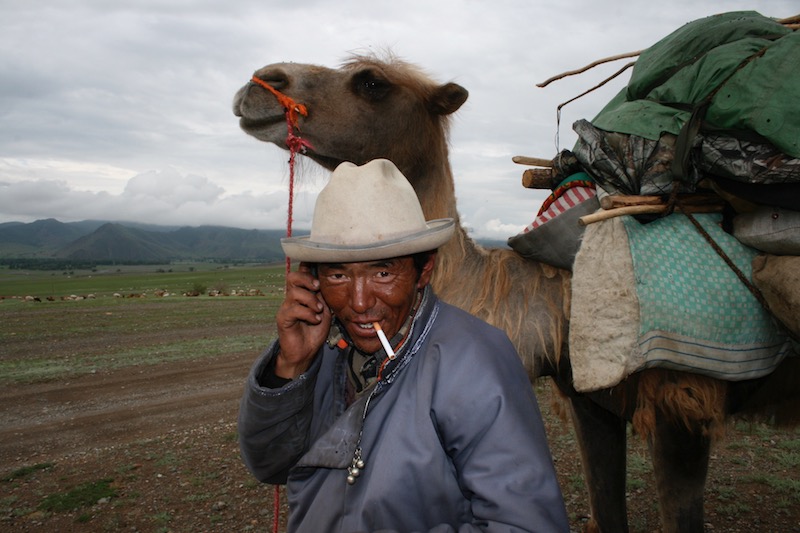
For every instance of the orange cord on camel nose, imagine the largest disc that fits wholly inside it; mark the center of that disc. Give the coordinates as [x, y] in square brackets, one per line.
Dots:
[293, 142]
[292, 108]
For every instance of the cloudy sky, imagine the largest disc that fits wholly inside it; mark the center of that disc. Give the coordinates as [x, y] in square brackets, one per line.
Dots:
[122, 110]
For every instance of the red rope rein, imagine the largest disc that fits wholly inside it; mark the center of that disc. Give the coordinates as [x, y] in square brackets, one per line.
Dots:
[295, 144]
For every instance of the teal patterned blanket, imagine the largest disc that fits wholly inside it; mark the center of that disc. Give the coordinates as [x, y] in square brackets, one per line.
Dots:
[658, 295]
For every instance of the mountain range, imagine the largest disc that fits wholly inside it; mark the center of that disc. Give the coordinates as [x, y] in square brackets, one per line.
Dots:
[120, 242]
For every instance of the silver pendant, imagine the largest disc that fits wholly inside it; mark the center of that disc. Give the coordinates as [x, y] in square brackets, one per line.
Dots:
[355, 468]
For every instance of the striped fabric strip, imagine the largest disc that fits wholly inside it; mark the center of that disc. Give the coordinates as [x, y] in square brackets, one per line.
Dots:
[665, 349]
[569, 199]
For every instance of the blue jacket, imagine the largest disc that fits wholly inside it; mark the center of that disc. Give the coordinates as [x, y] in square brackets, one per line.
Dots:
[452, 439]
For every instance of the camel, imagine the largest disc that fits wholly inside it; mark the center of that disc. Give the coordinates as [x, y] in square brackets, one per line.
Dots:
[374, 107]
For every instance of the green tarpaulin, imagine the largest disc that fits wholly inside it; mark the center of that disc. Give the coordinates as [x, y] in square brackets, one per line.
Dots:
[751, 59]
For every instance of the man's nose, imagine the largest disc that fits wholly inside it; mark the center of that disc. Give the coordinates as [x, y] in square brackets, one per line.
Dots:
[361, 297]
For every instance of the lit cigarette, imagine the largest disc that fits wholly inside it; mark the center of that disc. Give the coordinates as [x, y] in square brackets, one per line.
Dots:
[384, 340]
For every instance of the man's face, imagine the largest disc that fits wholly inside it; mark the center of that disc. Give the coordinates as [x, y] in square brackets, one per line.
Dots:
[372, 291]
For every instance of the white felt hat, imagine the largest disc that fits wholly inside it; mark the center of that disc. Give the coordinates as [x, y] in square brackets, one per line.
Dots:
[367, 213]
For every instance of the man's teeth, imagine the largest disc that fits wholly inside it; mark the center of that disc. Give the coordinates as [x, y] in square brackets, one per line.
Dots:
[366, 326]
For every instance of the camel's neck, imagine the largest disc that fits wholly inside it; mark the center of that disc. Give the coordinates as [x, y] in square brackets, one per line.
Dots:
[496, 285]
[436, 190]
[459, 259]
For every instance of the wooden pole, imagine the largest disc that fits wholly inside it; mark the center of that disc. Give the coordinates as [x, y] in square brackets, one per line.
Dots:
[622, 200]
[604, 214]
[532, 161]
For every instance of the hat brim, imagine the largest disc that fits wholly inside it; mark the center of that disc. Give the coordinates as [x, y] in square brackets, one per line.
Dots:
[303, 249]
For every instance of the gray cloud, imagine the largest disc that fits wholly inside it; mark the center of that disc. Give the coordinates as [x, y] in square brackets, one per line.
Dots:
[122, 110]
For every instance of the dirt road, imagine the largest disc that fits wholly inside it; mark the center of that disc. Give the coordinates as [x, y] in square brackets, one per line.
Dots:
[46, 421]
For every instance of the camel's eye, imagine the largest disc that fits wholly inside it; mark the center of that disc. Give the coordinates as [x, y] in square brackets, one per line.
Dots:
[370, 85]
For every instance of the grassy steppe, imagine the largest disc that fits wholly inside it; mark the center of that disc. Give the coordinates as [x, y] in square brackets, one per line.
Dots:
[53, 337]
[126, 279]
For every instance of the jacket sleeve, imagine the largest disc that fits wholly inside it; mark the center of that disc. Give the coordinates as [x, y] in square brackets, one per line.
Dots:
[274, 423]
[491, 427]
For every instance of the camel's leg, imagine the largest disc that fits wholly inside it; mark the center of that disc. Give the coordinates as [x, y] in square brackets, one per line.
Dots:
[680, 464]
[602, 439]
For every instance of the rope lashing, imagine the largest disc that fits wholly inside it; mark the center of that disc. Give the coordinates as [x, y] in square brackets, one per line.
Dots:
[295, 144]
[292, 108]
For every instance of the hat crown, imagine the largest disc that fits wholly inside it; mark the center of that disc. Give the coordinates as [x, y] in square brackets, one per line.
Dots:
[366, 205]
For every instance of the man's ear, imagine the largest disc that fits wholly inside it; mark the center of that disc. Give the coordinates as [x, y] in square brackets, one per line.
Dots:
[427, 271]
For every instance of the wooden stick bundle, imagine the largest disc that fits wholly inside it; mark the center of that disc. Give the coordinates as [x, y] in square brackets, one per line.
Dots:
[536, 178]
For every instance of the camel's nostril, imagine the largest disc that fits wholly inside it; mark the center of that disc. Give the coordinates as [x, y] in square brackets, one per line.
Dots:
[275, 78]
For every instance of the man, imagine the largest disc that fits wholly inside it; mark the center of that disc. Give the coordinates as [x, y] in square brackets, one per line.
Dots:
[434, 429]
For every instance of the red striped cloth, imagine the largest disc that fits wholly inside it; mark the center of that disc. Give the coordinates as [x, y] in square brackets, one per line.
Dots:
[568, 199]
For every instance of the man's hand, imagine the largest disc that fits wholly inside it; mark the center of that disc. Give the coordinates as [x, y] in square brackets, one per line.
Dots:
[303, 321]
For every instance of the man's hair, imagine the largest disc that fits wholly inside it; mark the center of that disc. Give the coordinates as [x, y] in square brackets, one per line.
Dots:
[420, 258]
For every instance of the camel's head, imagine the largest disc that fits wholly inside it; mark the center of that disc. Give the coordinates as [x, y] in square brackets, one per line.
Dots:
[366, 109]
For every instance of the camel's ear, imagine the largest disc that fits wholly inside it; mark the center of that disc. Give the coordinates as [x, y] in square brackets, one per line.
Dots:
[448, 98]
